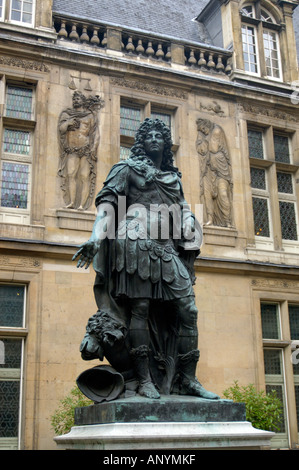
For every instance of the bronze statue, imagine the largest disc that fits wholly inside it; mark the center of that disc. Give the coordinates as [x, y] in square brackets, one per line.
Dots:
[78, 138]
[143, 246]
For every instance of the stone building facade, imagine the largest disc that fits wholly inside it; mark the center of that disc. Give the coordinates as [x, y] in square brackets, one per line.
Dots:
[75, 82]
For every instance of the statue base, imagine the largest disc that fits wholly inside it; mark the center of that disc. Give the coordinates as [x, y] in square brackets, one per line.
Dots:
[173, 423]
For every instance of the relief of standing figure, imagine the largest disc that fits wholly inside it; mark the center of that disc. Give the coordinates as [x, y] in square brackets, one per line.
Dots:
[78, 132]
[216, 176]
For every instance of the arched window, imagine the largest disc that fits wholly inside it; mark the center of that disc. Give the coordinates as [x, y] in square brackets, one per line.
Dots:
[260, 40]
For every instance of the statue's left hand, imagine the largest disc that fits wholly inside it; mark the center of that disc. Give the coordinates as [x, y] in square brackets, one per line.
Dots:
[86, 253]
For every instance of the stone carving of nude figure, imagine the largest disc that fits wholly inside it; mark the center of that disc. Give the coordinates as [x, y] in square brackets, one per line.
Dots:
[78, 130]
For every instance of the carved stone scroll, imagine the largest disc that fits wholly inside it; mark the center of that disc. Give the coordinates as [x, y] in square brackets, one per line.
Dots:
[78, 134]
[215, 174]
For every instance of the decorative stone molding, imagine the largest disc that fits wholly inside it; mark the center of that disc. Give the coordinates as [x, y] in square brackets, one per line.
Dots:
[274, 283]
[264, 111]
[22, 262]
[147, 87]
[24, 63]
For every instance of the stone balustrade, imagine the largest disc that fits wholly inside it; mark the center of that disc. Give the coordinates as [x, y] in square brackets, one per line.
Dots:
[138, 44]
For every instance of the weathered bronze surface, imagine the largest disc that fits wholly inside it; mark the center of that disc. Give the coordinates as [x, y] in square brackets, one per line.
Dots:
[143, 246]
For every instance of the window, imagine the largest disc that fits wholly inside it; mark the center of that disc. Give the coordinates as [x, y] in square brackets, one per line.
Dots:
[18, 11]
[280, 328]
[260, 39]
[274, 199]
[249, 49]
[132, 114]
[12, 335]
[271, 54]
[16, 154]
[1, 10]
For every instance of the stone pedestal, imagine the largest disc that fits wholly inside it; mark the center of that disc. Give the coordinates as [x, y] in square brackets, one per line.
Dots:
[172, 423]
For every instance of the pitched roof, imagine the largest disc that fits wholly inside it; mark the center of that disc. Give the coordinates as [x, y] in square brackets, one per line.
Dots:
[174, 18]
[169, 17]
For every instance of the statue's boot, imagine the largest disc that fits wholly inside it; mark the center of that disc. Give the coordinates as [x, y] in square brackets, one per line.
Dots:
[189, 385]
[141, 365]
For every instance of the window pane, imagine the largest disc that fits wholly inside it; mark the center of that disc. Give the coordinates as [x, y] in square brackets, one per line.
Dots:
[271, 53]
[10, 386]
[270, 321]
[294, 321]
[261, 217]
[124, 152]
[284, 183]
[16, 15]
[130, 119]
[249, 49]
[281, 148]
[12, 353]
[248, 11]
[255, 144]
[27, 18]
[166, 118]
[16, 141]
[14, 185]
[265, 16]
[12, 305]
[297, 401]
[288, 220]
[279, 393]
[21, 10]
[16, 4]
[19, 102]
[258, 178]
[272, 361]
[27, 6]
[9, 407]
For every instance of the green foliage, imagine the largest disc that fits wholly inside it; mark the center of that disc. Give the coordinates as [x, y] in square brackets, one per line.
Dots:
[264, 411]
[63, 418]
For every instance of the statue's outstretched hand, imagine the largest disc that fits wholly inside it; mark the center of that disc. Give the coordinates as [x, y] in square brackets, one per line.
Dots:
[86, 253]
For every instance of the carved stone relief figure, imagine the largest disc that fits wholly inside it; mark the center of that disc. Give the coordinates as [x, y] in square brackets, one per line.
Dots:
[78, 134]
[216, 177]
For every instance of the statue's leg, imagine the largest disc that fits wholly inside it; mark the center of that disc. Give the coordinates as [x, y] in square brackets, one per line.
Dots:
[187, 314]
[139, 336]
[85, 181]
[188, 352]
[72, 165]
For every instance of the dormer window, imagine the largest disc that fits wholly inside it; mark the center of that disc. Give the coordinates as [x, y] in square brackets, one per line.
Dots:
[260, 40]
[17, 11]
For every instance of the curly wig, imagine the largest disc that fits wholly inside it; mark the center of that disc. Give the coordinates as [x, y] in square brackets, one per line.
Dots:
[138, 151]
